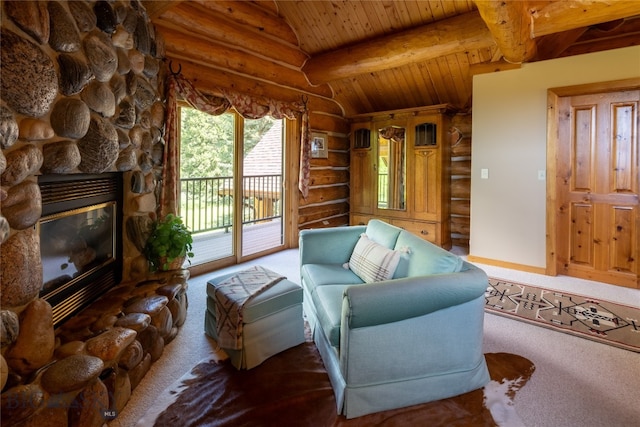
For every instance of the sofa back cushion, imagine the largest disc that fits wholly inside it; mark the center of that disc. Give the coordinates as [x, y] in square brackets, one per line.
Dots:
[373, 262]
[420, 257]
[383, 233]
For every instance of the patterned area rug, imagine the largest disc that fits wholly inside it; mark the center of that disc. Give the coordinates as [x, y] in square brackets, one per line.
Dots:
[587, 317]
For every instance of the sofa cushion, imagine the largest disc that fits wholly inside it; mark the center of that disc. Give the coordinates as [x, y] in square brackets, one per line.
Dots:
[383, 233]
[315, 275]
[328, 303]
[421, 257]
[373, 262]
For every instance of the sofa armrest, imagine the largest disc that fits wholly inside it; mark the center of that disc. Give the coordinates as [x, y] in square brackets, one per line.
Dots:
[332, 245]
[399, 299]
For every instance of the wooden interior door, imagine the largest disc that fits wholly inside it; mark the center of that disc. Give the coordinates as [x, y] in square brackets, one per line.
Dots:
[598, 225]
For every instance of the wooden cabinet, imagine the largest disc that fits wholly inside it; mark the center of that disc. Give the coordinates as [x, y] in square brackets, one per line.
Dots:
[400, 170]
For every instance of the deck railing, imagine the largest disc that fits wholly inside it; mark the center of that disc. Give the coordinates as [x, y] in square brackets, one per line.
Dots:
[206, 204]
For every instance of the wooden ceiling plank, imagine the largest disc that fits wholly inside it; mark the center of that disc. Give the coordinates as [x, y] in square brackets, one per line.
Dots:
[510, 24]
[552, 45]
[567, 15]
[441, 38]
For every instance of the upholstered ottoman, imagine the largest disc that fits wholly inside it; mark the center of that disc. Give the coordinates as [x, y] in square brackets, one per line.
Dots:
[272, 322]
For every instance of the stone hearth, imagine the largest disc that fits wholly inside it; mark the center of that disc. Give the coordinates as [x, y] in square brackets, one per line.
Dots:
[81, 92]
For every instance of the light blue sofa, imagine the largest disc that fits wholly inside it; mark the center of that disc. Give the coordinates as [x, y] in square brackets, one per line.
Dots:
[400, 342]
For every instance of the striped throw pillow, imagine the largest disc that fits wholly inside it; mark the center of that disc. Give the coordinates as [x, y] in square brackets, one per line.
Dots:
[373, 262]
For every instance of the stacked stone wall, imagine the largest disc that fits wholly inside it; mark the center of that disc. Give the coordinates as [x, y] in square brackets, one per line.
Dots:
[81, 92]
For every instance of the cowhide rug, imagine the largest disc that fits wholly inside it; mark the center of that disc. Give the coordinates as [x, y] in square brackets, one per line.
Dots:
[293, 389]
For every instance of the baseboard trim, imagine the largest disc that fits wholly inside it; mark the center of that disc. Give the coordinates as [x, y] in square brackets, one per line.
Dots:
[506, 264]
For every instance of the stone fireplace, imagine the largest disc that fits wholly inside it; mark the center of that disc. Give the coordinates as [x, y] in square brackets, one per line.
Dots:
[81, 102]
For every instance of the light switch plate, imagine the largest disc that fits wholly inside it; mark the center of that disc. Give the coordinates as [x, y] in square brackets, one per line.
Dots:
[542, 175]
[484, 173]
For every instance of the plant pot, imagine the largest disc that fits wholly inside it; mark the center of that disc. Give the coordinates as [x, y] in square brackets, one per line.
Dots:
[176, 264]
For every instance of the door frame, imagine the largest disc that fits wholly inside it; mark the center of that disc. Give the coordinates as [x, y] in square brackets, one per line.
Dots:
[553, 118]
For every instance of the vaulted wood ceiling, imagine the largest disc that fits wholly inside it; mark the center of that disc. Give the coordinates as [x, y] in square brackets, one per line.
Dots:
[351, 57]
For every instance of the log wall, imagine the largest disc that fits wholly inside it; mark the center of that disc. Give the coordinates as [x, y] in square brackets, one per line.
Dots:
[461, 180]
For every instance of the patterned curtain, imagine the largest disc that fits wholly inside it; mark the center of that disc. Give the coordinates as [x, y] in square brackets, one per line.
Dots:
[249, 107]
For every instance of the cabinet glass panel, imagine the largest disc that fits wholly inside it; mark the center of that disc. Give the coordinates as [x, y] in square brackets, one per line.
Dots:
[362, 138]
[391, 168]
[425, 135]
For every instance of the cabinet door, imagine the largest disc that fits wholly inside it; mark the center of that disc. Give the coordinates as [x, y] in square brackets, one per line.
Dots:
[362, 170]
[425, 185]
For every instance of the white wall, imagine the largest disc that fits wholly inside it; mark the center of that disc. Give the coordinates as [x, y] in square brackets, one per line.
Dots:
[508, 210]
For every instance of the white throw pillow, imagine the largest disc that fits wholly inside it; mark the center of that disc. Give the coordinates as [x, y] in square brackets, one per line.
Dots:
[373, 262]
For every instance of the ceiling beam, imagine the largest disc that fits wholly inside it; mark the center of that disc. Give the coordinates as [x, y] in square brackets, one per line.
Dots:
[445, 37]
[510, 25]
[156, 8]
[567, 15]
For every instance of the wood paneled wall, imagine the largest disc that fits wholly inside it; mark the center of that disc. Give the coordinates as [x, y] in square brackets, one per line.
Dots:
[327, 203]
[461, 179]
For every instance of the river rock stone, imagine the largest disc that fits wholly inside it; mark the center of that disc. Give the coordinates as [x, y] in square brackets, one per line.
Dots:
[29, 79]
[83, 15]
[149, 305]
[9, 130]
[145, 94]
[99, 98]
[123, 138]
[105, 16]
[127, 115]
[23, 205]
[60, 157]
[4, 372]
[147, 143]
[144, 119]
[163, 321]
[127, 160]
[122, 38]
[70, 118]
[118, 87]
[109, 345]
[63, 34]
[137, 183]
[21, 163]
[157, 114]
[101, 55]
[3, 167]
[157, 153]
[124, 66]
[145, 162]
[138, 229]
[35, 129]
[20, 402]
[151, 66]
[36, 341]
[71, 373]
[130, 21]
[74, 74]
[136, 374]
[136, 61]
[90, 415]
[31, 17]
[69, 349]
[5, 229]
[131, 356]
[135, 136]
[141, 36]
[9, 327]
[136, 321]
[99, 147]
[20, 253]
[119, 388]
[152, 342]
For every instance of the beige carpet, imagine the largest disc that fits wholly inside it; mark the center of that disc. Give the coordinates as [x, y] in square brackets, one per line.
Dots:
[587, 317]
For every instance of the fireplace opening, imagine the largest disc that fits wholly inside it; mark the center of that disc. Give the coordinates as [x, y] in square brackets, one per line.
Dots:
[80, 239]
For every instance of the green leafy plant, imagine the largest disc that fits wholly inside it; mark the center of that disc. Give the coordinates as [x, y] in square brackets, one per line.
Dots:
[170, 239]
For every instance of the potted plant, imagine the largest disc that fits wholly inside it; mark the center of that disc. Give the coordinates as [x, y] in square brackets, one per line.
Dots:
[169, 244]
